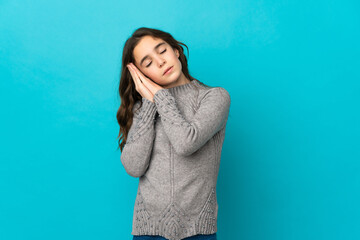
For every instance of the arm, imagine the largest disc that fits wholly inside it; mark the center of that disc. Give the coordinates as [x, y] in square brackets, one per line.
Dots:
[185, 136]
[135, 156]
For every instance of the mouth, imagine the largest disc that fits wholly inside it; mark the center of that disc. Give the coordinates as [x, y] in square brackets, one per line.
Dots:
[168, 70]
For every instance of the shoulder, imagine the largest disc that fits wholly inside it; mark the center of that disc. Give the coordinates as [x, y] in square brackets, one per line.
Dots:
[219, 93]
[210, 90]
[222, 91]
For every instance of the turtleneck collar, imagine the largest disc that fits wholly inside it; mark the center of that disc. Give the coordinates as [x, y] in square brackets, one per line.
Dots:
[183, 88]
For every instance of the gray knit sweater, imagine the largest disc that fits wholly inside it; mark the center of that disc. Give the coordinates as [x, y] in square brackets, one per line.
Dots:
[174, 147]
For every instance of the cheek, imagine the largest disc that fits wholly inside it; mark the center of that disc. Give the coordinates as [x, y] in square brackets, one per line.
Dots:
[152, 74]
[179, 63]
[173, 56]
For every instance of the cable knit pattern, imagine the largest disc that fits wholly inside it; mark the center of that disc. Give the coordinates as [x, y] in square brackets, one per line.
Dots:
[176, 156]
[136, 155]
[143, 120]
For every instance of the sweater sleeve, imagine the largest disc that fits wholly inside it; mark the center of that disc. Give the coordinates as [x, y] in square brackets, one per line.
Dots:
[185, 136]
[136, 153]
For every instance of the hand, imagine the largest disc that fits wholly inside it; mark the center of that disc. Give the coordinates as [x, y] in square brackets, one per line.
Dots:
[143, 85]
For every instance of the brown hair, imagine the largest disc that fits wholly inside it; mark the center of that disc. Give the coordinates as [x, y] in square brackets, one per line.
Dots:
[127, 91]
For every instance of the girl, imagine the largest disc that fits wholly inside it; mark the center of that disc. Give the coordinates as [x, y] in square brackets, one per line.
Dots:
[172, 128]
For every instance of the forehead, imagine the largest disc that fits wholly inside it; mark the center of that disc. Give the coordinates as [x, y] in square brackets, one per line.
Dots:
[145, 46]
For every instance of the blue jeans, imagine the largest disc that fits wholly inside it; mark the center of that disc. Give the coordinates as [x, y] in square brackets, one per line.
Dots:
[195, 237]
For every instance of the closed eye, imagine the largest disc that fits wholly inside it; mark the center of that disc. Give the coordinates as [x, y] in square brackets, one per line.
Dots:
[160, 53]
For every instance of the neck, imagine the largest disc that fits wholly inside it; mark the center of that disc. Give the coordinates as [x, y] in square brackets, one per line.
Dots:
[183, 89]
[180, 81]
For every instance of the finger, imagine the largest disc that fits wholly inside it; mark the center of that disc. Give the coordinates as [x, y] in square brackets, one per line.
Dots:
[141, 76]
[134, 76]
[146, 81]
[143, 89]
[140, 87]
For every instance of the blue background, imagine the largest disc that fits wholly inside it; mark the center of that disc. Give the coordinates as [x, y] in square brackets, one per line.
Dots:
[290, 163]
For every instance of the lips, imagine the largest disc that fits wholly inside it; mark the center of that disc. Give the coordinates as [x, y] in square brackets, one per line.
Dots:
[167, 70]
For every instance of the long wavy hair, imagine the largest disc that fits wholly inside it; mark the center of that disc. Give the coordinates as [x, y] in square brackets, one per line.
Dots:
[128, 94]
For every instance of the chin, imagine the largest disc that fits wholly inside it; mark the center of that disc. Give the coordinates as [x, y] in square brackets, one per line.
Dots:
[173, 79]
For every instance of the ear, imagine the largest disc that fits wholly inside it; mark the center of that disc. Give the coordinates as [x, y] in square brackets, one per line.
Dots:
[177, 53]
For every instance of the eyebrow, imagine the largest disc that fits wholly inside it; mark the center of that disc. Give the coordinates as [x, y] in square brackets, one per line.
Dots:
[156, 47]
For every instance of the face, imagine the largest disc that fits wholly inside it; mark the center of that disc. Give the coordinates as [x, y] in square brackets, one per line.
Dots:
[153, 56]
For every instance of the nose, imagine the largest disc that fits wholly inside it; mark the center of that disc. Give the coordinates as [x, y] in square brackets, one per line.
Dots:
[160, 61]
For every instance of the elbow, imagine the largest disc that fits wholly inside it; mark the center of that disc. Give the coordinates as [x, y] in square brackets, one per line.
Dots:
[187, 146]
[184, 150]
[134, 173]
[131, 169]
